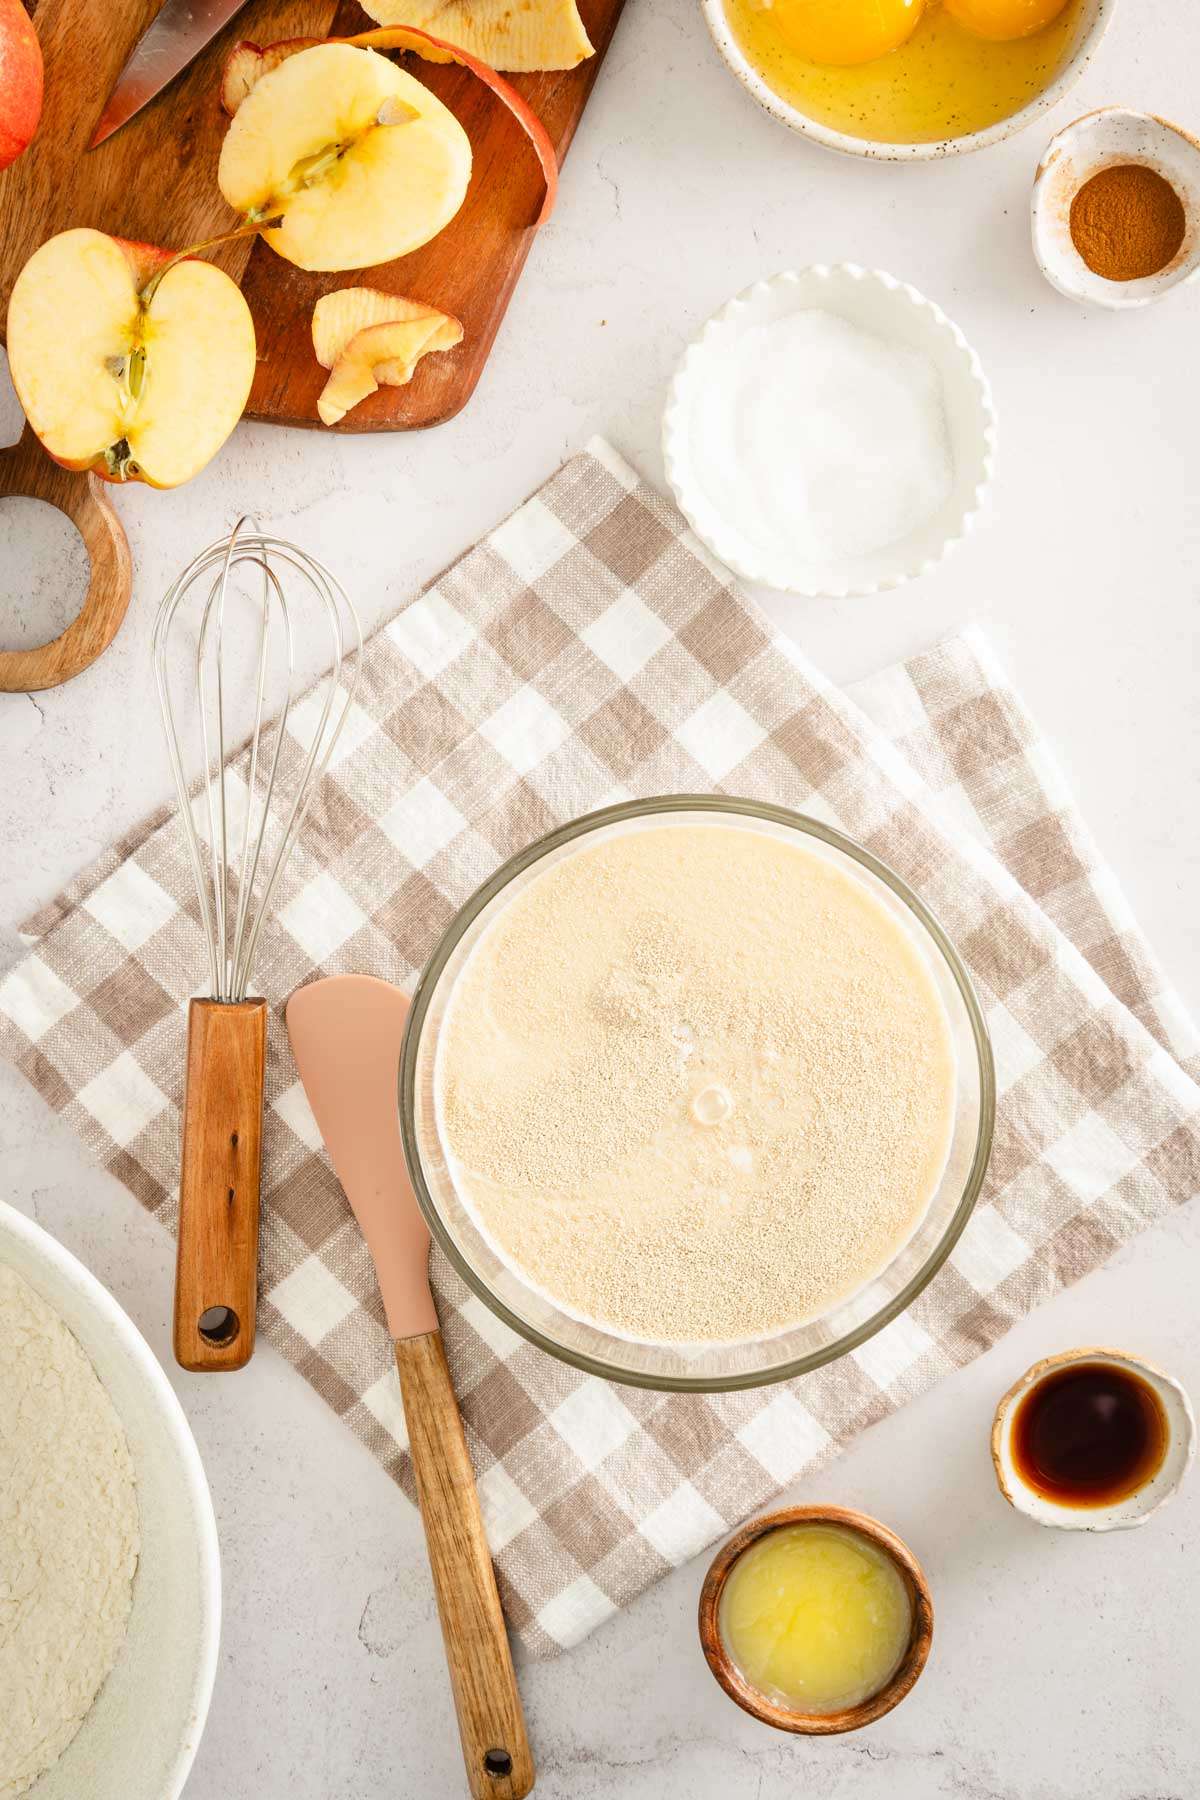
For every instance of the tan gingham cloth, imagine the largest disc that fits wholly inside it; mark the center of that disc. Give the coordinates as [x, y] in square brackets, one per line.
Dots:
[587, 651]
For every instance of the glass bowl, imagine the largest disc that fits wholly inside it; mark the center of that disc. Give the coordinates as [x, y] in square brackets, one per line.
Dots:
[704, 1367]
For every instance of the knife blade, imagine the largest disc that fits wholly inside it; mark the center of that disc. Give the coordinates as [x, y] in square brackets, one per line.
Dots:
[179, 32]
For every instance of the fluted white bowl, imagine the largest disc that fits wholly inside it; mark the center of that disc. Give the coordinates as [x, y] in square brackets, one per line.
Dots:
[892, 310]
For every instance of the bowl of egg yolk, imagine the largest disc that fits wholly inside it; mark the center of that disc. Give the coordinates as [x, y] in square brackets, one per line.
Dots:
[907, 80]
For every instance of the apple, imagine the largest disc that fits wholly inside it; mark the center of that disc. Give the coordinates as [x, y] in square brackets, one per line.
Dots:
[247, 65]
[355, 161]
[369, 340]
[20, 80]
[339, 316]
[539, 34]
[128, 359]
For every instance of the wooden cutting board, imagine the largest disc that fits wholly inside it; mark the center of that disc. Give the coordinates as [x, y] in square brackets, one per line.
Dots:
[155, 180]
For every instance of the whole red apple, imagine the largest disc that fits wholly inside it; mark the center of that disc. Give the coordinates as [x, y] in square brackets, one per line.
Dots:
[20, 80]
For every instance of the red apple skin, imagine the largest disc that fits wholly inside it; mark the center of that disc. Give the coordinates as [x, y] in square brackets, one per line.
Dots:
[20, 80]
[145, 259]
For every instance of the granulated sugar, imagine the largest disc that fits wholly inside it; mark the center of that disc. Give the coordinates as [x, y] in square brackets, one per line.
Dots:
[697, 1083]
[813, 438]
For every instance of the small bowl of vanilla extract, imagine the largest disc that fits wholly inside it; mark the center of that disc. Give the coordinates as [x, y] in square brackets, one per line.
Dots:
[1092, 1440]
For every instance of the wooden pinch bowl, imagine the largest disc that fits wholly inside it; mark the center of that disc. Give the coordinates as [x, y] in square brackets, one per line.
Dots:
[784, 1718]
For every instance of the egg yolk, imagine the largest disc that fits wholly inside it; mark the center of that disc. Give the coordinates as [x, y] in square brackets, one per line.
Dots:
[850, 31]
[1004, 20]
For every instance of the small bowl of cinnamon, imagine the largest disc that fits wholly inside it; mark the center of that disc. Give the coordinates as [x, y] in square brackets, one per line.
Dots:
[1116, 209]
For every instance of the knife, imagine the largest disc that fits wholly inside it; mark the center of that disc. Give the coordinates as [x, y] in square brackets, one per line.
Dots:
[176, 37]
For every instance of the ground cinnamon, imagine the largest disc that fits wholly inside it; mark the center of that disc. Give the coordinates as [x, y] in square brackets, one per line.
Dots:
[1127, 222]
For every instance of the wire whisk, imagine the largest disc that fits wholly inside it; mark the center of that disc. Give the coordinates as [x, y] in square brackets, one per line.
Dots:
[233, 921]
[237, 864]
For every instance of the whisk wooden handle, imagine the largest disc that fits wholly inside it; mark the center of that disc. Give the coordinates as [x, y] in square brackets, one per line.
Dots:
[491, 1723]
[216, 1274]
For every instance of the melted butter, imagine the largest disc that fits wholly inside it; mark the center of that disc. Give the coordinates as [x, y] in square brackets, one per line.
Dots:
[944, 82]
[816, 1617]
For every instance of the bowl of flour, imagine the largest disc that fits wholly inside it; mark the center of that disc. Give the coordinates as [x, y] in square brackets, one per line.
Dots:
[696, 1093]
[109, 1568]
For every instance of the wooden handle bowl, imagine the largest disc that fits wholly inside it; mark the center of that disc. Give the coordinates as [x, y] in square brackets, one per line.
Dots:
[28, 473]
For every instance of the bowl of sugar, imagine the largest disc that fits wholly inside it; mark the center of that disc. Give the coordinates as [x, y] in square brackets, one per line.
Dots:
[696, 1094]
[830, 432]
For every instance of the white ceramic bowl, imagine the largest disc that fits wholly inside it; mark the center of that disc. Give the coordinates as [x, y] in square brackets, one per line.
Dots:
[1135, 1508]
[140, 1738]
[1100, 139]
[1094, 19]
[890, 309]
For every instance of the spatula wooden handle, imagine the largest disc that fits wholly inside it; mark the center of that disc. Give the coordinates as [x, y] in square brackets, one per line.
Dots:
[216, 1274]
[490, 1721]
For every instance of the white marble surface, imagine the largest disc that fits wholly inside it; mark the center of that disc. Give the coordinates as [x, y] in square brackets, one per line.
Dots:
[1062, 1666]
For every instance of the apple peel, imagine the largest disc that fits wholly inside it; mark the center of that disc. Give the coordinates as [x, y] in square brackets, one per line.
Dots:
[341, 315]
[247, 63]
[519, 38]
[368, 339]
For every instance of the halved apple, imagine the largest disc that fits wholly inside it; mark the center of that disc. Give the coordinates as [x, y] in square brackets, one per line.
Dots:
[247, 65]
[129, 359]
[355, 158]
[538, 34]
[369, 340]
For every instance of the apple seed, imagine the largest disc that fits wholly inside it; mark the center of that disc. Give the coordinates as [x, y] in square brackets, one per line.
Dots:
[396, 112]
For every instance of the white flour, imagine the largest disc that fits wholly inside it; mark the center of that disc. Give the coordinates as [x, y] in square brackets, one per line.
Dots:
[697, 1084]
[69, 1535]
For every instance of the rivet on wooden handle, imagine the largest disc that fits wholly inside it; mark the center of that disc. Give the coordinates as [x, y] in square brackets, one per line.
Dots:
[216, 1272]
[491, 1723]
[27, 471]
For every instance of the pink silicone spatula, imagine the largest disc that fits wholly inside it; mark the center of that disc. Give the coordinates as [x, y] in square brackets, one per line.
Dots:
[346, 1034]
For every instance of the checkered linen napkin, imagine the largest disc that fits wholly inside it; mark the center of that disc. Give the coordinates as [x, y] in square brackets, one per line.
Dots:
[589, 650]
